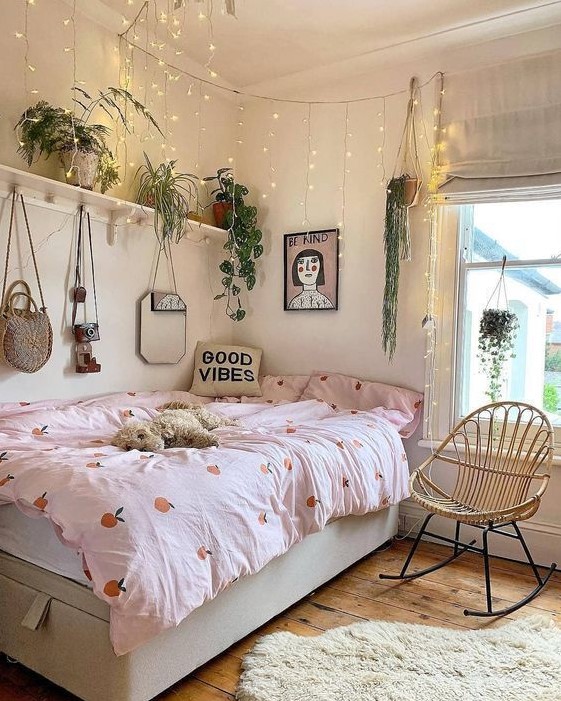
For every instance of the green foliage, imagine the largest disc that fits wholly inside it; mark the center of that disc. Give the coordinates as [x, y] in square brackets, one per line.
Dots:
[550, 397]
[395, 237]
[170, 194]
[553, 361]
[243, 245]
[107, 171]
[224, 191]
[44, 129]
[497, 333]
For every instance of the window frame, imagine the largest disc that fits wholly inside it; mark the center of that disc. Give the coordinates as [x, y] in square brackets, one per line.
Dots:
[454, 223]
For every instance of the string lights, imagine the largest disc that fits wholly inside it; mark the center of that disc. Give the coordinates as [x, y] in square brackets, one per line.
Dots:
[430, 320]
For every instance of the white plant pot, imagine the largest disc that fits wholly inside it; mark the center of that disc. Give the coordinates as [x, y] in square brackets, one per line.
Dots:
[80, 168]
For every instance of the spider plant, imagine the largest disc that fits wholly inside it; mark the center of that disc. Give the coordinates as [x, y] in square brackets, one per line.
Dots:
[170, 194]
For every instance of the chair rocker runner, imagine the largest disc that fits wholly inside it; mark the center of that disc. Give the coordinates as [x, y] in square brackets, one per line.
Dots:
[497, 454]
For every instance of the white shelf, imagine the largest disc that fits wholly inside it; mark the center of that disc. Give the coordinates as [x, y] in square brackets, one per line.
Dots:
[44, 192]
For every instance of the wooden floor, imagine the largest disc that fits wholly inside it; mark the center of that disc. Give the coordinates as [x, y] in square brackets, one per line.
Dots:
[437, 599]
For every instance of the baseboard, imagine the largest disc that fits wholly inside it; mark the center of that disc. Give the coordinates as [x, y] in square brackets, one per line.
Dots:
[544, 539]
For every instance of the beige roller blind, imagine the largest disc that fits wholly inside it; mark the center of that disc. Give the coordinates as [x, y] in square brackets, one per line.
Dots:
[503, 126]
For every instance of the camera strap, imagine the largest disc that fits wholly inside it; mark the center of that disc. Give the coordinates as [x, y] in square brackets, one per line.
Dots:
[79, 290]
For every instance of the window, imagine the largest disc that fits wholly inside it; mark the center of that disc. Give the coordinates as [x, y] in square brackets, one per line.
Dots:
[529, 235]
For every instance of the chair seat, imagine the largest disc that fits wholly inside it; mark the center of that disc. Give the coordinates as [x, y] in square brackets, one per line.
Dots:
[456, 510]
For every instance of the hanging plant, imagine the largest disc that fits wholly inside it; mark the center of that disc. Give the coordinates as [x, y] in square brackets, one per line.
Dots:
[243, 244]
[170, 194]
[402, 192]
[497, 334]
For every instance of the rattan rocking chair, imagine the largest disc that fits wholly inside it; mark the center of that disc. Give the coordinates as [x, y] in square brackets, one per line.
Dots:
[498, 453]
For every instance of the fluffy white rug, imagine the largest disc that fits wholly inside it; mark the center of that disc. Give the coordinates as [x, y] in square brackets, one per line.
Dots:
[378, 661]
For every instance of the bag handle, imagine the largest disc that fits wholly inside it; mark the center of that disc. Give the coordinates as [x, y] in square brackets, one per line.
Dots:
[9, 292]
[30, 301]
[8, 248]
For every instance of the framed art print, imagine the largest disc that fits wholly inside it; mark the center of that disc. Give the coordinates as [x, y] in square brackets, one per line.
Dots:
[311, 270]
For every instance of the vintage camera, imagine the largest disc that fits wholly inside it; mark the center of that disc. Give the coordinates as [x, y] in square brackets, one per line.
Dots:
[85, 362]
[85, 333]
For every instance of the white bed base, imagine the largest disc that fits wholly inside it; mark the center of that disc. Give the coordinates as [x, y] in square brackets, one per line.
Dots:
[60, 629]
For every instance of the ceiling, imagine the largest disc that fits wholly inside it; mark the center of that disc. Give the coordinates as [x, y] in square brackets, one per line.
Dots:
[270, 39]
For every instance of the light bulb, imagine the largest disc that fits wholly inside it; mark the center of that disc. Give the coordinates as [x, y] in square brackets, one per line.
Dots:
[275, 115]
[273, 185]
[207, 97]
[212, 47]
[19, 35]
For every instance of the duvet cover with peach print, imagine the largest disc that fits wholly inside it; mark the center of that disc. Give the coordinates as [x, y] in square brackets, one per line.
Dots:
[162, 533]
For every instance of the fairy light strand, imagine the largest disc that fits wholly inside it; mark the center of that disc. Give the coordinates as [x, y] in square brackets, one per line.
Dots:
[430, 319]
[309, 165]
[346, 156]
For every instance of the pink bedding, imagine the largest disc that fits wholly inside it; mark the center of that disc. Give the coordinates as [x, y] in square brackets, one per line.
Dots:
[162, 533]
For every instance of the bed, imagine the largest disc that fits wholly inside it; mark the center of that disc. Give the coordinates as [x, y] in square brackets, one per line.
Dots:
[322, 483]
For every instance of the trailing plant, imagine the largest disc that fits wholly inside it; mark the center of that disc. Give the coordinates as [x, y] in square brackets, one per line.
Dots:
[243, 244]
[497, 334]
[401, 193]
[395, 235]
[43, 129]
[170, 194]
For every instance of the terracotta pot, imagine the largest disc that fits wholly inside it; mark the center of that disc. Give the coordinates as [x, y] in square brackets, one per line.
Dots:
[219, 210]
[412, 190]
[80, 168]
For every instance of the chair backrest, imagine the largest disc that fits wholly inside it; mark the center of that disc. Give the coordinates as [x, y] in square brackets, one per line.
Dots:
[499, 449]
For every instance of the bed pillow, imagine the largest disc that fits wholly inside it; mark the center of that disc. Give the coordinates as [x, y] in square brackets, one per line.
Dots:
[280, 388]
[226, 371]
[344, 392]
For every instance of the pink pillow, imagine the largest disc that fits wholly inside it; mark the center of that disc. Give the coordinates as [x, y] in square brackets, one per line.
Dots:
[344, 392]
[279, 388]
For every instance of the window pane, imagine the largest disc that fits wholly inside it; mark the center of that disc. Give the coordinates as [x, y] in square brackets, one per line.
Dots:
[533, 375]
[519, 230]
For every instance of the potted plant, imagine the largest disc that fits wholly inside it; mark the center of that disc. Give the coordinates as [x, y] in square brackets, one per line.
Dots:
[497, 333]
[223, 195]
[170, 194]
[81, 145]
[243, 244]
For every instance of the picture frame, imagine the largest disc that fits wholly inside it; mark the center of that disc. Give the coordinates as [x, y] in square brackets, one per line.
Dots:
[311, 270]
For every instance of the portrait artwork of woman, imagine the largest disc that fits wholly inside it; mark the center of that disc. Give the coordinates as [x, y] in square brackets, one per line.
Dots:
[308, 273]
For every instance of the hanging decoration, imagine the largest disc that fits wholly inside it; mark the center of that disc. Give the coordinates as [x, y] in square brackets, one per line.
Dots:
[497, 334]
[402, 192]
[429, 323]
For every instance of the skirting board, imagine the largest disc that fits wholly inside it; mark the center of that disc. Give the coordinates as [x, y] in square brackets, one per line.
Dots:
[543, 539]
[71, 647]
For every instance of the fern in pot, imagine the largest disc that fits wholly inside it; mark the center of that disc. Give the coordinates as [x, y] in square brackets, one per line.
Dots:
[81, 145]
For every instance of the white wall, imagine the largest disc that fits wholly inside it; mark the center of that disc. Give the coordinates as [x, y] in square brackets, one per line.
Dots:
[123, 271]
[348, 340]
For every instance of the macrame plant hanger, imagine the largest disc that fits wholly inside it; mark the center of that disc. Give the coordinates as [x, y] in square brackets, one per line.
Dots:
[168, 254]
[402, 192]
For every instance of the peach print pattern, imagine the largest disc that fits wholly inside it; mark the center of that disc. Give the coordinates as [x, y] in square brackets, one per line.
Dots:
[200, 517]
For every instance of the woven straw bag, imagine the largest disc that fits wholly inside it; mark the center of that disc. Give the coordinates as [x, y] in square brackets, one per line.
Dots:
[26, 335]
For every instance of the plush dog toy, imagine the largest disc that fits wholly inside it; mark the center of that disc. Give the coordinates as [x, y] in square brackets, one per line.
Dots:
[179, 425]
